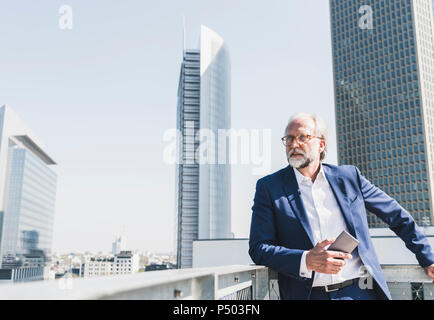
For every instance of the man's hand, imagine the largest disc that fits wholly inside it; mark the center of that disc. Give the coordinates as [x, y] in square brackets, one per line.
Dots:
[323, 261]
[429, 271]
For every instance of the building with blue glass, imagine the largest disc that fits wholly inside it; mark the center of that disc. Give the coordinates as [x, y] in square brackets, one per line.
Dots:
[27, 199]
[203, 188]
[383, 64]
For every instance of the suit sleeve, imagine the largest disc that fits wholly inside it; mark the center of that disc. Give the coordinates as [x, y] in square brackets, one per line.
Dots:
[263, 242]
[398, 219]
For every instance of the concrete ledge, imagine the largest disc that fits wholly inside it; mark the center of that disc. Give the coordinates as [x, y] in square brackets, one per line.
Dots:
[200, 283]
[405, 273]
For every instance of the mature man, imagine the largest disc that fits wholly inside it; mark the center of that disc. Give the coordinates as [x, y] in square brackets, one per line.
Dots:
[300, 210]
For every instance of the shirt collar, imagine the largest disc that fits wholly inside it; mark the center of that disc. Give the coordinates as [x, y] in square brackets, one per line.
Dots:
[302, 179]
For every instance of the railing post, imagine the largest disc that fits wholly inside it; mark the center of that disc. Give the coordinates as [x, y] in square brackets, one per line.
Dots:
[260, 280]
[273, 284]
[203, 288]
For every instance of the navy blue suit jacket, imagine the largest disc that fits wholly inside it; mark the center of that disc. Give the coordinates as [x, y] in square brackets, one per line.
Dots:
[280, 229]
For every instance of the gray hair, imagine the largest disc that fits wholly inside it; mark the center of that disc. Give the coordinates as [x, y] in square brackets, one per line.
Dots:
[320, 127]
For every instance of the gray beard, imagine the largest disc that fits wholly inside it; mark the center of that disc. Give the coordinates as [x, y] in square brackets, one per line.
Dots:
[305, 164]
[299, 164]
[302, 163]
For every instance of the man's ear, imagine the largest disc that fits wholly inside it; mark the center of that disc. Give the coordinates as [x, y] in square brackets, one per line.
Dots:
[322, 145]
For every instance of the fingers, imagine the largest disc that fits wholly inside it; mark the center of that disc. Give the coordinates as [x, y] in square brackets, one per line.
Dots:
[339, 255]
[331, 269]
[430, 273]
[325, 243]
[336, 262]
[334, 271]
[324, 261]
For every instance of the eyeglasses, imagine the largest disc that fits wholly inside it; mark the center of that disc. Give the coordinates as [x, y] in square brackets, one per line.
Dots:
[301, 139]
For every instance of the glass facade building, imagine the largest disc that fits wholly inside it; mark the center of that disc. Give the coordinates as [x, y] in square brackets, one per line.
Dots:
[384, 97]
[203, 188]
[28, 225]
[27, 199]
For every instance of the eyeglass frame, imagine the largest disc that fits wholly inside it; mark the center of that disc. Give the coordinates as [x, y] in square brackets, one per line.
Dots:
[309, 138]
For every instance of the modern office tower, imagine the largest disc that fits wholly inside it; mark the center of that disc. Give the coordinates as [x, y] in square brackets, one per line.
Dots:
[27, 199]
[203, 188]
[384, 97]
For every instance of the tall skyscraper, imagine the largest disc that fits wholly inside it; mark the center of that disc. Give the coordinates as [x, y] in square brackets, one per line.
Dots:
[203, 190]
[383, 61]
[27, 198]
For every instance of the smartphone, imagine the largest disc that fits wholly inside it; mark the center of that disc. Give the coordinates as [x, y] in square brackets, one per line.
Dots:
[345, 242]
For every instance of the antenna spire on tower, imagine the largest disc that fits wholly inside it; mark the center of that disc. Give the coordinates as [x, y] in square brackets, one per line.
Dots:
[184, 33]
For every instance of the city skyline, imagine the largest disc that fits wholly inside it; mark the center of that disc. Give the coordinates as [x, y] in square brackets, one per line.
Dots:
[141, 136]
[102, 94]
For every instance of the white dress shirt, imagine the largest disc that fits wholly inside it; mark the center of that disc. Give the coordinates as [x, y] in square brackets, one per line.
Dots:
[326, 222]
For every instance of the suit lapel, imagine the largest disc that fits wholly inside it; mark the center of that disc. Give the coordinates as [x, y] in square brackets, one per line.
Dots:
[293, 194]
[338, 187]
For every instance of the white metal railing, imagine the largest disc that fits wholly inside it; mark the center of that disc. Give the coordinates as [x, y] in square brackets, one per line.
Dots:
[408, 282]
[237, 282]
[405, 273]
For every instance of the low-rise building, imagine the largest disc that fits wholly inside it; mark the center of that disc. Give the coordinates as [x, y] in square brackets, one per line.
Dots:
[126, 262]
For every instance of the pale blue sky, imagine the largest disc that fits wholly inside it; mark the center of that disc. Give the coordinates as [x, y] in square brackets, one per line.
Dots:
[101, 96]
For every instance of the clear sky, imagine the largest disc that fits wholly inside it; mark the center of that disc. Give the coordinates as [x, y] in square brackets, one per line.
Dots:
[102, 94]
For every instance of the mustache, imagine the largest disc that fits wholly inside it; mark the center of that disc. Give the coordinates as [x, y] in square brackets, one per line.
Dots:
[291, 152]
